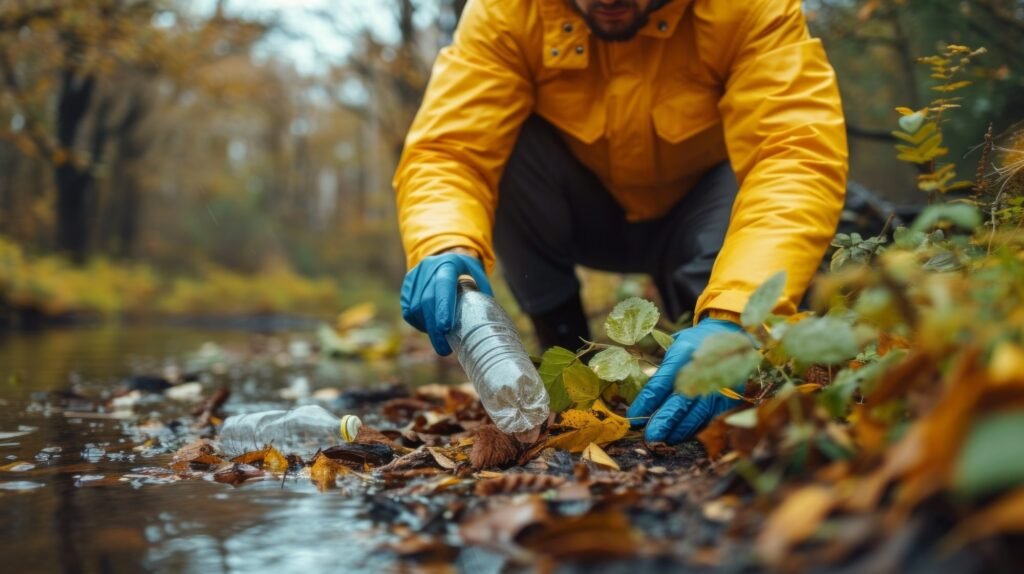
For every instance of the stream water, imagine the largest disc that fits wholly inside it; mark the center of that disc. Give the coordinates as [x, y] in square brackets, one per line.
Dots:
[75, 501]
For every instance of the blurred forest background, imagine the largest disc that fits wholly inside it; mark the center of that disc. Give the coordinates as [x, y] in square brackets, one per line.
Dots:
[235, 156]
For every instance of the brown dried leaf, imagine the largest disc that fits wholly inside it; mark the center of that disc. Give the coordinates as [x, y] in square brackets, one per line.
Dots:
[518, 482]
[198, 452]
[358, 456]
[237, 473]
[423, 548]
[441, 458]
[797, 518]
[401, 409]
[1004, 516]
[370, 435]
[501, 524]
[491, 447]
[419, 458]
[602, 534]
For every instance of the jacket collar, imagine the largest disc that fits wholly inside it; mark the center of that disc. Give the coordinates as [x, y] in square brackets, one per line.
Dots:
[567, 36]
[665, 20]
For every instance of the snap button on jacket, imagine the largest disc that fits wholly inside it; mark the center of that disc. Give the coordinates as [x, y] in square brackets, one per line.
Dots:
[702, 82]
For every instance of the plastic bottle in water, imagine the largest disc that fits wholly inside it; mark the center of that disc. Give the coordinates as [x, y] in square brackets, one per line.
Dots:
[300, 431]
[492, 354]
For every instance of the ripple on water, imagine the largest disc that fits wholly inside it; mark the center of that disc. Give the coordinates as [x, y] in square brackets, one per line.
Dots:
[20, 485]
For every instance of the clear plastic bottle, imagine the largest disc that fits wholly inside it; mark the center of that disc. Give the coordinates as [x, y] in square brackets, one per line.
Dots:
[300, 431]
[492, 354]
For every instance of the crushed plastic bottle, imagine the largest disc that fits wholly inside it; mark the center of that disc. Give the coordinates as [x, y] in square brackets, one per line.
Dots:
[492, 354]
[300, 431]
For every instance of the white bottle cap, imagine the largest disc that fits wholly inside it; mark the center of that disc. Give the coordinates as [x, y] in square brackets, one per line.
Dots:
[349, 427]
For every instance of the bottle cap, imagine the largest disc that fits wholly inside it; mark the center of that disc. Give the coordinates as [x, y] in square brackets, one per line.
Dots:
[349, 427]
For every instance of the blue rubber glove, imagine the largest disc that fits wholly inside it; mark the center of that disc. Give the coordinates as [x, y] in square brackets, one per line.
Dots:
[430, 292]
[678, 417]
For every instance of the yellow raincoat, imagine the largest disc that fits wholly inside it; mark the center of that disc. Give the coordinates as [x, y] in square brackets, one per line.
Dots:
[704, 81]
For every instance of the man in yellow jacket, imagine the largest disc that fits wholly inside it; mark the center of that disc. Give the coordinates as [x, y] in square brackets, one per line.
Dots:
[699, 141]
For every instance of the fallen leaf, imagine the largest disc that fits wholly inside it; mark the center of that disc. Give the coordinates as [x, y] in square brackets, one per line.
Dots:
[324, 472]
[598, 425]
[797, 518]
[731, 394]
[358, 456]
[423, 549]
[598, 456]
[441, 458]
[355, 316]
[1007, 364]
[274, 461]
[199, 452]
[721, 509]
[237, 474]
[517, 482]
[491, 447]
[417, 459]
[501, 524]
[595, 535]
[1003, 516]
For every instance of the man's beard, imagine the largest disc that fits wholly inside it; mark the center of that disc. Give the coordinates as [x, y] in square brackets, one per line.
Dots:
[623, 35]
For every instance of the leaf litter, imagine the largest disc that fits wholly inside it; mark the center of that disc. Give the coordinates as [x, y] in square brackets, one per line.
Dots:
[863, 443]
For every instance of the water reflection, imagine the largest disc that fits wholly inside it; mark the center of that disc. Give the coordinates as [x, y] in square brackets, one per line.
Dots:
[73, 497]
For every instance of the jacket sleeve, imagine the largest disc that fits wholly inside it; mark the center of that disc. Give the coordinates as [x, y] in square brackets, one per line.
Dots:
[786, 139]
[479, 95]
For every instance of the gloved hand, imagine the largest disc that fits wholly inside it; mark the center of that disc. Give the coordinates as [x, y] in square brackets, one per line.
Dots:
[430, 292]
[678, 417]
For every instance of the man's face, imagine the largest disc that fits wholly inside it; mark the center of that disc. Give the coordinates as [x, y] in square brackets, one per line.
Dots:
[614, 20]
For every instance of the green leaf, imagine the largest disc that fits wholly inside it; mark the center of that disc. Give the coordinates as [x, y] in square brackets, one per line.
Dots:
[960, 214]
[613, 364]
[553, 364]
[664, 339]
[987, 463]
[763, 301]
[943, 262]
[839, 258]
[582, 385]
[724, 360]
[821, 340]
[631, 387]
[631, 320]
[836, 397]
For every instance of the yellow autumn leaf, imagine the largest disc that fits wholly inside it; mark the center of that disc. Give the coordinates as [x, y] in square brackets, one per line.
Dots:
[325, 471]
[731, 394]
[598, 425]
[793, 521]
[1007, 364]
[597, 455]
[274, 461]
[808, 388]
[356, 316]
[905, 111]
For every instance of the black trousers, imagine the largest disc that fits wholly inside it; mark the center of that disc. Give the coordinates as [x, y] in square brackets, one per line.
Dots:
[554, 214]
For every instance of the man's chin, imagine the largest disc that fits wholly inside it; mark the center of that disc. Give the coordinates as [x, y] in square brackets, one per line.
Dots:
[615, 34]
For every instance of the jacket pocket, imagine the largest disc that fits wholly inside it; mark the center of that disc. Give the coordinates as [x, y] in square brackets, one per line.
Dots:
[576, 112]
[685, 115]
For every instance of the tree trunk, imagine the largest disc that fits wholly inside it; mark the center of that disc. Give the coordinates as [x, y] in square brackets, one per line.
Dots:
[74, 183]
